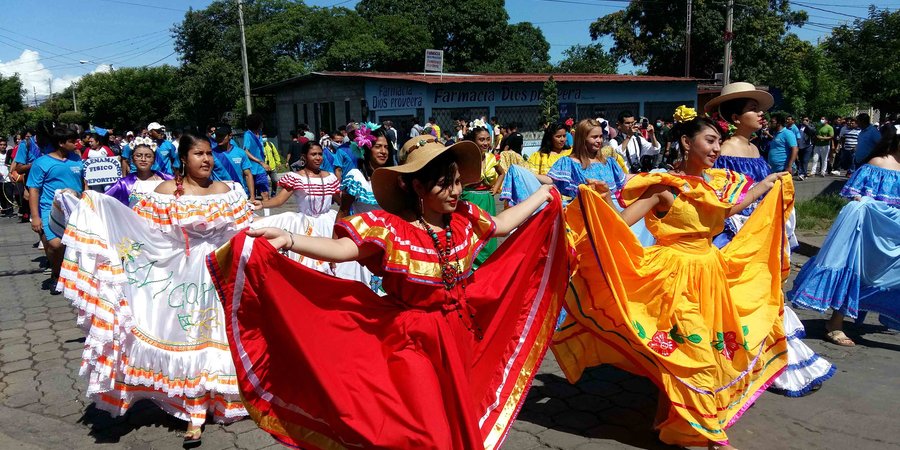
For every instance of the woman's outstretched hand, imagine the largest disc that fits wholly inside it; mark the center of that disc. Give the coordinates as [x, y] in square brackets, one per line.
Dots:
[279, 238]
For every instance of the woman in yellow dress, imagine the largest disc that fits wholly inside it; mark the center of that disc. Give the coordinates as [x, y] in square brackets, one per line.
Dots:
[553, 147]
[704, 325]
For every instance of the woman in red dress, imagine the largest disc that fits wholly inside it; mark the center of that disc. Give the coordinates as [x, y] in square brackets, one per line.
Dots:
[444, 361]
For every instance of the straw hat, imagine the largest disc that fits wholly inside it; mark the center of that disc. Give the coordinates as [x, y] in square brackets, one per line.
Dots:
[741, 90]
[420, 151]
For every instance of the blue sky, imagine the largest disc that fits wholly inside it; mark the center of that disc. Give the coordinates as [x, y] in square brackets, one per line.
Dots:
[61, 40]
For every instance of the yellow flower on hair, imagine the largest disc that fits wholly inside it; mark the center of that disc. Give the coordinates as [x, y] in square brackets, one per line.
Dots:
[684, 114]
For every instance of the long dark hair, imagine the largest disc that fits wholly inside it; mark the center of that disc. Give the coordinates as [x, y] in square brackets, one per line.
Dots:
[186, 142]
[363, 164]
[472, 135]
[440, 169]
[889, 143]
[547, 140]
[690, 129]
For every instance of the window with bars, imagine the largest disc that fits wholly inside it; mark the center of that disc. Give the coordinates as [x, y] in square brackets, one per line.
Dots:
[528, 117]
[446, 117]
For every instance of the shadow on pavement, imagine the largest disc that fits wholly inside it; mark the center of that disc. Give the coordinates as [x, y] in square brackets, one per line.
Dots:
[607, 403]
[106, 429]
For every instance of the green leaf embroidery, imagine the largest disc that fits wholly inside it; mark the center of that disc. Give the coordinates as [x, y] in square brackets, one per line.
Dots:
[720, 336]
[677, 337]
[745, 329]
[719, 345]
[695, 338]
[640, 330]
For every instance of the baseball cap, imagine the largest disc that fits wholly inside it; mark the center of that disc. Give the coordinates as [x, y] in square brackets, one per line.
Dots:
[155, 126]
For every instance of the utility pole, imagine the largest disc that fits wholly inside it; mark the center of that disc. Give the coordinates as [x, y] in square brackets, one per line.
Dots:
[50, 85]
[244, 58]
[729, 36]
[34, 90]
[74, 101]
[687, 42]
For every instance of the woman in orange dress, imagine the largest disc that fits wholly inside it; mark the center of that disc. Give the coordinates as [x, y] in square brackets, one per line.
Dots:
[704, 325]
[444, 360]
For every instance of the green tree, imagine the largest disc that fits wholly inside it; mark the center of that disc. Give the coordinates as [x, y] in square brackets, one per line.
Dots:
[591, 58]
[129, 97]
[651, 33]
[864, 54]
[524, 50]
[549, 108]
[11, 105]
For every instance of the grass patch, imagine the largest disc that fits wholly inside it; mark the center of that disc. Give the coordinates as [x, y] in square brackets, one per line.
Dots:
[818, 214]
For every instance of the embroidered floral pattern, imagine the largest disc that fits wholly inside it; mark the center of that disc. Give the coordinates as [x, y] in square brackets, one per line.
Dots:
[726, 343]
[680, 338]
[128, 249]
[660, 343]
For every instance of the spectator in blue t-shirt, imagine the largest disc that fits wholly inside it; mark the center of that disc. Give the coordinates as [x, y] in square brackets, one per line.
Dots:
[59, 169]
[783, 147]
[166, 153]
[345, 156]
[253, 146]
[234, 157]
[867, 140]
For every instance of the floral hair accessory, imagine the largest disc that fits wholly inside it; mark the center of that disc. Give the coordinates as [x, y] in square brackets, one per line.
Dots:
[478, 123]
[364, 137]
[725, 128]
[570, 122]
[371, 126]
[684, 114]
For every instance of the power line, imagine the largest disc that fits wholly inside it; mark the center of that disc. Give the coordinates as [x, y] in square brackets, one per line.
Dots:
[828, 10]
[160, 59]
[144, 5]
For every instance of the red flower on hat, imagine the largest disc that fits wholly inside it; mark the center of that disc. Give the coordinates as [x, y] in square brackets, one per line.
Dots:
[570, 122]
[660, 343]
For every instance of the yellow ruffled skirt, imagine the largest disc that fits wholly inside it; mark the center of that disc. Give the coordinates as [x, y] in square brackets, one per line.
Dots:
[704, 325]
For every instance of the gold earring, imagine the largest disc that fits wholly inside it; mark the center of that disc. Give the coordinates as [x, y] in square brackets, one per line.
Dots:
[421, 206]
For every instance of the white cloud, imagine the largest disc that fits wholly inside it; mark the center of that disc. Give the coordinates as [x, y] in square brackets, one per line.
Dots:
[34, 74]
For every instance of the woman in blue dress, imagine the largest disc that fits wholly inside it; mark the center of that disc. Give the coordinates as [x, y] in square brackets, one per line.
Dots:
[742, 107]
[858, 267]
[587, 165]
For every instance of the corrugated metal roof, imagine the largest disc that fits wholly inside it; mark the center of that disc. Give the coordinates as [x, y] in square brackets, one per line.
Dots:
[453, 78]
[434, 78]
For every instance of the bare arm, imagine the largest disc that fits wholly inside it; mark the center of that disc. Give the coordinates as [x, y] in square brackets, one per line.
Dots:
[321, 248]
[251, 186]
[511, 218]
[756, 192]
[33, 199]
[789, 167]
[278, 200]
[656, 198]
[345, 203]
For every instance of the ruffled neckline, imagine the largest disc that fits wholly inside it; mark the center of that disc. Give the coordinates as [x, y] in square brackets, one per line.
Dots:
[876, 182]
[166, 212]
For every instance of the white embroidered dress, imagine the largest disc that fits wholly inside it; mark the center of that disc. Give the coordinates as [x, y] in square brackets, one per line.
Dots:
[155, 328]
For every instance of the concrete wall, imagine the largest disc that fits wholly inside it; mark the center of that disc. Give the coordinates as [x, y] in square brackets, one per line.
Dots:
[326, 104]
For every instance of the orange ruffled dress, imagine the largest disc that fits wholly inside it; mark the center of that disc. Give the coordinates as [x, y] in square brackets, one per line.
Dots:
[326, 363]
[704, 325]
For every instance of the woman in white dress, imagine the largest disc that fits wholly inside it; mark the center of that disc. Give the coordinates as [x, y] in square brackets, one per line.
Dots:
[316, 191]
[357, 196]
[155, 328]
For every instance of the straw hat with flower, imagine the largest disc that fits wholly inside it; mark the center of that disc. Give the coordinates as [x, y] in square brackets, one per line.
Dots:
[417, 153]
[738, 90]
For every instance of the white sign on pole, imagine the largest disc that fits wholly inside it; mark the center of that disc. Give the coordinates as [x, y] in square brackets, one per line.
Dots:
[106, 170]
[434, 60]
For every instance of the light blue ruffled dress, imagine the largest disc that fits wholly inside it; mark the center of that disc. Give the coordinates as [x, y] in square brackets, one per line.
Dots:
[567, 175]
[858, 267]
[806, 370]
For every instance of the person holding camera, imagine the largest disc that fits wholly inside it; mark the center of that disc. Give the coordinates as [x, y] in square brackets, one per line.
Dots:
[640, 154]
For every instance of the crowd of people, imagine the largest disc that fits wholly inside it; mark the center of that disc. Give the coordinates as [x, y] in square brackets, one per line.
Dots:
[660, 248]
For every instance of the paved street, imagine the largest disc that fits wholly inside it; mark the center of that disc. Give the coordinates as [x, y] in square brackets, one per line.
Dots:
[42, 403]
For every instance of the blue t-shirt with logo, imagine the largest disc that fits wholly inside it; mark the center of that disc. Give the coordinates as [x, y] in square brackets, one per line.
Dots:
[49, 174]
[780, 149]
[253, 144]
[344, 158]
[28, 151]
[166, 157]
[225, 169]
